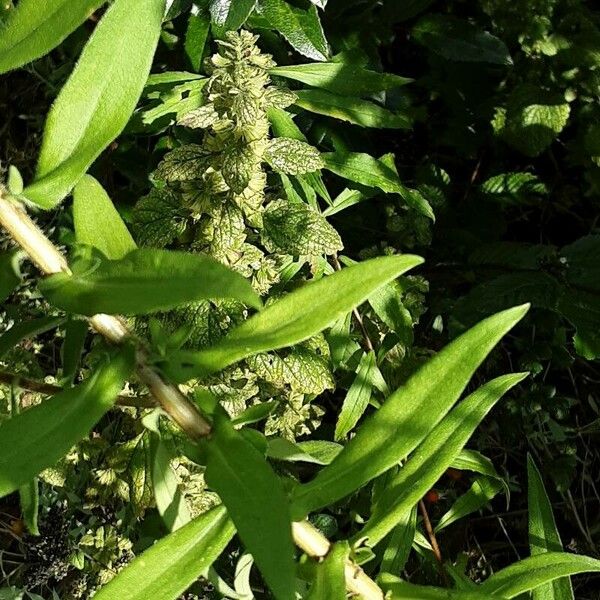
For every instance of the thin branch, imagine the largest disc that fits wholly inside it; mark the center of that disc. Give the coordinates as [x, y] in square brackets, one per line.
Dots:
[49, 260]
[48, 389]
[433, 541]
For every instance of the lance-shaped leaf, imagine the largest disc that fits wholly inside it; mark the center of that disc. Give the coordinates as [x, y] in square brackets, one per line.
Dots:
[38, 437]
[530, 573]
[340, 78]
[169, 567]
[400, 542]
[146, 280]
[367, 170]
[25, 330]
[330, 581]
[95, 104]
[300, 27]
[97, 221]
[353, 110]
[543, 534]
[295, 317]
[37, 26]
[255, 499]
[407, 416]
[403, 590]
[230, 14]
[433, 456]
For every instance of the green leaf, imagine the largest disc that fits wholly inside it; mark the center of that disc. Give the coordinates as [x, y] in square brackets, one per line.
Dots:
[30, 501]
[230, 14]
[582, 309]
[367, 170]
[400, 541]
[97, 221]
[22, 331]
[458, 40]
[196, 36]
[530, 573]
[9, 273]
[299, 230]
[403, 590]
[171, 565]
[146, 280]
[159, 218]
[55, 425]
[401, 423]
[353, 110]
[330, 582]
[286, 321]
[76, 331]
[185, 163]
[293, 156]
[543, 534]
[37, 26]
[482, 490]
[95, 104]
[433, 456]
[300, 27]
[583, 259]
[340, 78]
[357, 398]
[255, 499]
[170, 501]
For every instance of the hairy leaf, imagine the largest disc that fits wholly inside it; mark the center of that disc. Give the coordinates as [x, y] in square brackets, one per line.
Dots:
[37, 26]
[401, 423]
[255, 499]
[286, 322]
[97, 222]
[95, 104]
[166, 569]
[146, 280]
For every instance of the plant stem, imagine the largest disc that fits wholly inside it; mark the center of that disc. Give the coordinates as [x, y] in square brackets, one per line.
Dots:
[49, 260]
[48, 389]
[433, 541]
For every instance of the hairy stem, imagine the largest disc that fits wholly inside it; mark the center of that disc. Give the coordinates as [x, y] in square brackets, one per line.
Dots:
[49, 260]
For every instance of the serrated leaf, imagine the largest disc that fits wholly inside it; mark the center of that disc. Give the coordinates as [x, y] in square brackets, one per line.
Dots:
[36, 26]
[240, 163]
[57, 424]
[168, 568]
[516, 186]
[285, 322]
[95, 104]
[200, 118]
[97, 221]
[255, 499]
[352, 110]
[293, 156]
[532, 120]
[159, 218]
[401, 424]
[367, 170]
[357, 398]
[433, 456]
[299, 230]
[146, 280]
[341, 78]
[185, 163]
[300, 27]
[529, 573]
[543, 534]
[458, 40]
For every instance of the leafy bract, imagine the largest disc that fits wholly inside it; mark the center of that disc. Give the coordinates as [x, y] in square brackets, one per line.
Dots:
[97, 221]
[458, 40]
[38, 437]
[300, 27]
[340, 78]
[367, 170]
[295, 317]
[401, 423]
[293, 156]
[255, 499]
[433, 456]
[529, 573]
[37, 26]
[166, 569]
[353, 110]
[543, 534]
[95, 104]
[145, 280]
